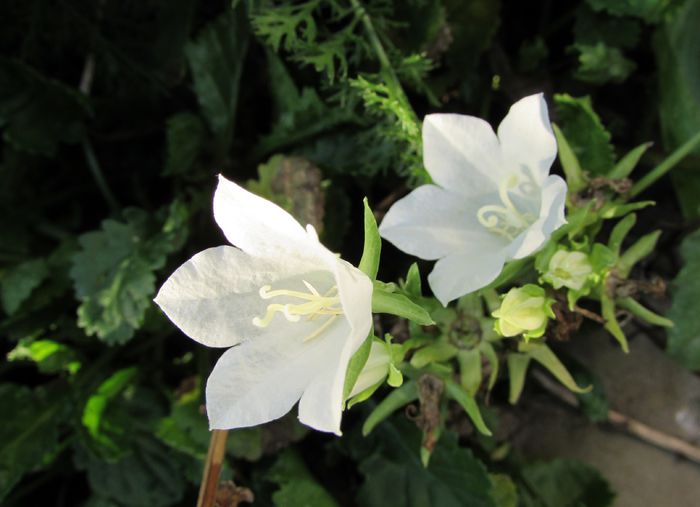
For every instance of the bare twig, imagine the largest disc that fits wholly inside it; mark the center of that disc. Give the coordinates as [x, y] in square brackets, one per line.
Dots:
[626, 423]
[212, 468]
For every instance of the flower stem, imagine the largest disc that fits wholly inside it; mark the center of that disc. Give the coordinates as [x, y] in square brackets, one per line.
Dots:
[99, 177]
[212, 468]
[387, 70]
[665, 166]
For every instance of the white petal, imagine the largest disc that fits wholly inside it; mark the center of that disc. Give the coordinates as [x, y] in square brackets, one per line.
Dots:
[551, 218]
[462, 273]
[321, 405]
[257, 225]
[214, 296]
[431, 223]
[461, 153]
[260, 380]
[526, 137]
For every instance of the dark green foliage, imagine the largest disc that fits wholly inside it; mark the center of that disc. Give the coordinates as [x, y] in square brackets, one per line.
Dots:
[115, 117]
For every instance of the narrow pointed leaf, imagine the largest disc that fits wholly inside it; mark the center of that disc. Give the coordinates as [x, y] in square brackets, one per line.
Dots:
[643, 247]
[575, 178]
[638, 310]
[607, 309]
[433, 353]
[544, 355]
[399, 305]
[468, 404]
[627, 163]
[470, 370]
[357, 362]
[517, 368]
[619, 233]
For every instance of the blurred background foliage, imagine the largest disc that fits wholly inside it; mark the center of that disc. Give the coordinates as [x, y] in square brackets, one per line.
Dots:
[116, 115]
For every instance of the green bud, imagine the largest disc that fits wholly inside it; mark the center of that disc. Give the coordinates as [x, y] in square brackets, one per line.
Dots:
[568, 269]
[524, 310]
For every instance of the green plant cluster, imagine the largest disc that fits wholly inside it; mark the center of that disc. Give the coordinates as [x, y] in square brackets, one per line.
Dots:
[116, 116]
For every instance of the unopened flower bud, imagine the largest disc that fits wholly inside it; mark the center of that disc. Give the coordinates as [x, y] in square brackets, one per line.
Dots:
[524, 310]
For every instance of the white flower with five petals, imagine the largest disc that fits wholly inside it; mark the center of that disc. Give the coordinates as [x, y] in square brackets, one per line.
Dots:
[493, 199]
[292, 312]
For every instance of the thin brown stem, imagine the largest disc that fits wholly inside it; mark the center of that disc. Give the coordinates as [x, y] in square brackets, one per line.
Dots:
[626, 423]
[589, 314]
[212, 468]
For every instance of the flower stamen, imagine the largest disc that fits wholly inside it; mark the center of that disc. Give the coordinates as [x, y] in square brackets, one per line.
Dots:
[505, 220]
[314, 305]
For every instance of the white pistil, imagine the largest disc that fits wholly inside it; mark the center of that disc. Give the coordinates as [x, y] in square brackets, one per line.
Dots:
[505, 219]
[314, 305]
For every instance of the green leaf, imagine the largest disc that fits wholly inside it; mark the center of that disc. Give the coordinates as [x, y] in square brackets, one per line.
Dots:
[298, 488]
[98, 402]
[150, 476]
[433, 353]
[503, 491]
[517, 368]
[457, 393]
[396, 399]
[544, 355]
[357, 362]
[216, 61]
[684, 338]
[37, 114]
[369, 263]
[454, 477]
[113, 272]
[575, 179]
[488, 351]
[628, 163]
[566, 483]
[641, 312]
[600, 64]
[593, 404]
[50, 356]
[413, 285]
[591, 28]
[587, 136]
[650, 11]
[397, 304]
[18, 282]
[635, 253]
[676, 44]
[185, 137]
[29, 437]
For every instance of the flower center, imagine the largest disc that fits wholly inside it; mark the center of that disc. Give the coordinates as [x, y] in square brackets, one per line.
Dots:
[505, 219]
[313, 306]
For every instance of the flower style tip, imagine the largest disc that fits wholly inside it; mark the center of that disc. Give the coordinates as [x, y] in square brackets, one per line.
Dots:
[291, 311]
[492, 200]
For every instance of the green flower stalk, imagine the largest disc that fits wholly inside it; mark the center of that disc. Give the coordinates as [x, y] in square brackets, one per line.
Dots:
[525, 310]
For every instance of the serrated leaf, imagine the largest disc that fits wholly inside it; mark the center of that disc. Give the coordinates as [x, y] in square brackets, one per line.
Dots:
[587, 136]
[600, 64]
[591, 28]
[684, 338]
[369, 263]
[396, 399]
[216, 60]
[18, 282]
[50, 356]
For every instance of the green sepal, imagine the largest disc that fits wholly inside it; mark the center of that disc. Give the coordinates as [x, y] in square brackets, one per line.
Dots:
[488, 351]
[607, 310]
[433, 353]
[619, 233]
[469, 405]
[626, 164]
[642, 312]
[616, 209]
[640, 249]
[397, 304]
[357, 362]
[369, 263]
[407, 393]
[395, 377]
[470, 370]
[517, 368]
[544, 355]
[575, 179]
[413, 285]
